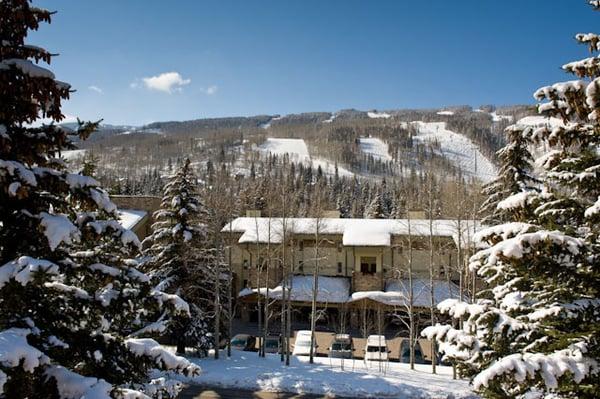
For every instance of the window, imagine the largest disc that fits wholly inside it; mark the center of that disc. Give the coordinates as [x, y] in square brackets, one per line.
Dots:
[301, 265]
[245, 283]
[260, 262]
[368, 264]
[339, 247]
[301, 245]
[339, 268]
[245, 264]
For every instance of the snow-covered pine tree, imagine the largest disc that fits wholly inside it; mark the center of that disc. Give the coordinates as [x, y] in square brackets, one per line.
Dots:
[374, 209]
[535, 332]
[179, 259]
[71, 298]
[515, 175]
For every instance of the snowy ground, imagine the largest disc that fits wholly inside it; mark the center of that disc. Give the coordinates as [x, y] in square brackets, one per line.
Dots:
[375, 147]
[245, 370]
[458, 148]
[298, 152]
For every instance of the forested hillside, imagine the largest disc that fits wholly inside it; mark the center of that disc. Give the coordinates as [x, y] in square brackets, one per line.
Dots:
[352, 159]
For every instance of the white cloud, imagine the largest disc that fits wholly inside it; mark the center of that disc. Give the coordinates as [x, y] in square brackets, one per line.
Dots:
[167, 82]
[96, 89]
[210, 90]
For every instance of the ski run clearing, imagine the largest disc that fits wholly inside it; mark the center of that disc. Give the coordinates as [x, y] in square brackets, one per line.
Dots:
[298, 152]
[459, 149]
[245, 370]
[375, 147]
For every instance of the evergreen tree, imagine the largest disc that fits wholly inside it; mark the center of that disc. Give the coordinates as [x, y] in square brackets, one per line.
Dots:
[534, 332]
[514, 176]
[71, 299]
[179, 260]
[375, 208]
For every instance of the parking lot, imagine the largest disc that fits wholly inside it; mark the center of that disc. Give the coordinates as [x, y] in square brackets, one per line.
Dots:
[324, 340]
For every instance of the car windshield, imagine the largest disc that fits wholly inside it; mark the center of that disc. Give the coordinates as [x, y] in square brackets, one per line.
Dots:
[272, 343]
[376, 349]
[339, 346]
[238, 342]
[303, 343]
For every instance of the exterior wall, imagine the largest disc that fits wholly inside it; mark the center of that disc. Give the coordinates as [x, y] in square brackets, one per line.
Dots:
[338, 260]
[145, 202]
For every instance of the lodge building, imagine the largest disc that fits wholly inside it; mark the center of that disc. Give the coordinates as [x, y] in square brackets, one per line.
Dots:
[362, 264]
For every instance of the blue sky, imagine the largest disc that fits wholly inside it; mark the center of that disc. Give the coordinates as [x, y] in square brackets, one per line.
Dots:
[277, 57]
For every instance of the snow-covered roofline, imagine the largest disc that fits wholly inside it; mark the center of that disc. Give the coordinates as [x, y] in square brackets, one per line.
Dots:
[337, 290]
[354, 232]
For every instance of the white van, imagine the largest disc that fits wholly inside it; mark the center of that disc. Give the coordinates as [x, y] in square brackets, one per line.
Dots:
[302, 344]
[376, 348]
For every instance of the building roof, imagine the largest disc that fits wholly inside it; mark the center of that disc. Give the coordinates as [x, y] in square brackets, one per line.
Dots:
[397, 292]
[129, 218]
[354, 232]
[330, 289]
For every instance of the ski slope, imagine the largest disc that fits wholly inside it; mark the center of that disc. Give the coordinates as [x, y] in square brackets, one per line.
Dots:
[457, 148]
[375, 147]
[298, 152]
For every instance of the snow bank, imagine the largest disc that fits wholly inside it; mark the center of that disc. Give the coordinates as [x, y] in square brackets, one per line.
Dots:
[375, 147]
[457, 148]
[358, 380]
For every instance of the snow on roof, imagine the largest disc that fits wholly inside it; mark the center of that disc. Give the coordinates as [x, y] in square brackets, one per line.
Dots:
[397, 292]
[337, 290]
[354, 232]
[330, 289]
[445, 113]
[128, 218]
[442, 290]
[376, 340]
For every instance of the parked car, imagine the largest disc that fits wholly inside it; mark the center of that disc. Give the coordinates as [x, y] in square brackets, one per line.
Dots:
[302, 343]
[405, 352]
[244, 342]
[376, 348]
[272, 344]
[341, 347]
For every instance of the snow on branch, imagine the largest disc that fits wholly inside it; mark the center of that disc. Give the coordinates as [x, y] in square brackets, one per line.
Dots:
[550, 367]
[15, 351]
[522, 244]
[162, 357]
[23, 270]
[73, 385]
[59, 229]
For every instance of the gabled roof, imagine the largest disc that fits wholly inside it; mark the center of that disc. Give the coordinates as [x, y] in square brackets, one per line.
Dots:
[354, 232]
